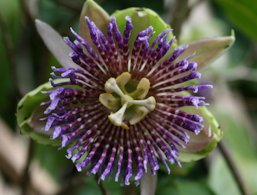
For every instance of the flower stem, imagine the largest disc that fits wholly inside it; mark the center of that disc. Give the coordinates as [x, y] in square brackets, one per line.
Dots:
[73, 184]
[233, 168]
[101, 187]
[178, 14]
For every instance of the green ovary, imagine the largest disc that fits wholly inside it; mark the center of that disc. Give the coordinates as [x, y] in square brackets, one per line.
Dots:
[126, 99]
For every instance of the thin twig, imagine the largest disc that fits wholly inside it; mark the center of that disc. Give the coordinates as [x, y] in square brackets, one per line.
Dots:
[179, 13]
[10, 56]
[233, 168]
[25, 179]
[73, 183]
[26, 11]
[71, 187]
[101, 187]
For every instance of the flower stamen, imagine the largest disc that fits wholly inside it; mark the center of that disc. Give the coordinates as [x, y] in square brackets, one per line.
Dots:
[125, 98]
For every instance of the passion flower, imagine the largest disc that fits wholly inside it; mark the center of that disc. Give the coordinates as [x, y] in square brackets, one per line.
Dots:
[121, 104]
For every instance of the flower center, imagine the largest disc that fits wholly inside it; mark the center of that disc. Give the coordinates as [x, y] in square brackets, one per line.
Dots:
[126, 99]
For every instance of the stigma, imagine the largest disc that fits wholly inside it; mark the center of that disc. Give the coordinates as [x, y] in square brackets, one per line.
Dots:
[126, 99]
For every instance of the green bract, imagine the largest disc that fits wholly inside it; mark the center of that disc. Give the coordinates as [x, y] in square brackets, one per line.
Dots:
[98, 15]
[206, 50]
[204, 142]
[29, 113]
[141, 18]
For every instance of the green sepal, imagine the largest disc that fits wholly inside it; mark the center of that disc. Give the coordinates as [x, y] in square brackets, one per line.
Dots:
[29, 113]
[97, 14]
[205, 51]
[208, 137]
[141, 19]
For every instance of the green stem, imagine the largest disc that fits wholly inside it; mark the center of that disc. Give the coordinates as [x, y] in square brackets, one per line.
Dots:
[233, 168]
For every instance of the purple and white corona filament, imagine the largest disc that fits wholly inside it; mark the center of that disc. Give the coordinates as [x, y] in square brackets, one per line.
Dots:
[118, 112]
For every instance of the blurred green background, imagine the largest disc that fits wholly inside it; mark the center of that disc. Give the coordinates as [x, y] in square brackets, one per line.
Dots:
[29, 168]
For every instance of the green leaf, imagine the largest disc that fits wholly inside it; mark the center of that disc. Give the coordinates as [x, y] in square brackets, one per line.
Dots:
[98, 15]
[220, 178]
[244, 154]
[206, 50]
[186, 187]
[202, 144]
[171, 185]
[243, 14]
[29, 113]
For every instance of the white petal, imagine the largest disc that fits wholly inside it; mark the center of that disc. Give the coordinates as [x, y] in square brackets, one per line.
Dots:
[55, 44]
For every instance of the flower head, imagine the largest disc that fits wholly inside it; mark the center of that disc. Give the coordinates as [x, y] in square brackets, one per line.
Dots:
[121, 104]
[118, 111]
